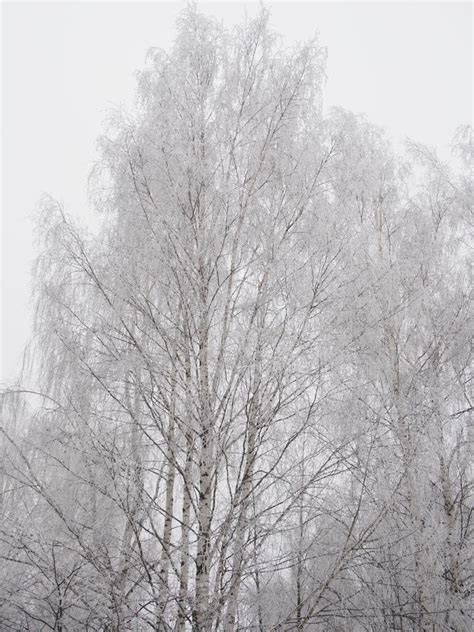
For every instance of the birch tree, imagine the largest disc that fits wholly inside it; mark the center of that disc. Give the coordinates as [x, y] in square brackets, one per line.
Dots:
[245, 400]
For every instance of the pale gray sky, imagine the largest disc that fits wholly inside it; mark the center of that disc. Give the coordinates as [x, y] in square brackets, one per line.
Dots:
[407, 65]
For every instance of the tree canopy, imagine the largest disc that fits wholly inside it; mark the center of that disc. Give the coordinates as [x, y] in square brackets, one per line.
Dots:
[246, 400]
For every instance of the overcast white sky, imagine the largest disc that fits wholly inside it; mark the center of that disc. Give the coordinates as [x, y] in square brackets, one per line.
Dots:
[407, 65]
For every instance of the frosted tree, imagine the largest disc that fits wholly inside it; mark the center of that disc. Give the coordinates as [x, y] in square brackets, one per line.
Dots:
[248, 391]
